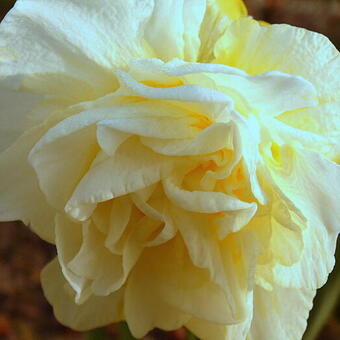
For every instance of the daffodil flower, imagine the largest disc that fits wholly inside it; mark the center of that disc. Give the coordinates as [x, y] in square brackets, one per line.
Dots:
[181, 156]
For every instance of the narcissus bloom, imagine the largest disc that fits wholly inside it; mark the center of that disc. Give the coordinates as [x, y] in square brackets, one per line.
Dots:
[181, 156]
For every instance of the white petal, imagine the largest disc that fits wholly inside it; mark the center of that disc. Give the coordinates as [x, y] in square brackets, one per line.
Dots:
[175, 35]
[213, 331]
[310, 182]
[68, 242]
[281, 313]
[94, 261]
[61, 163]
[283, 48]
[203, 201]
[110, 139]
[188, 93]
[165, 287]
[96, 312]
[20, 196]
[248, 144]
[132, 168]
[14, 107]
[88, 52]
[215, 137]
[206, 252]
[266, 94]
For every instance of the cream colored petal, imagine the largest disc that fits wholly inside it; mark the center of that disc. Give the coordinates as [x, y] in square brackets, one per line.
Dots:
[266, 94]
[284, 48]
[215, 137]
[218, 16]
[96, 263]
[132, 168]
[232, 8]
[90, 52]
[20, 196]
[151, 202]
[156, 127]
[247, 145]
[286, 245]
[70, 147]
[310, 183]
[205, 252]
[165, 287]
[97, 311]
[120, 215]
[70, 156]
[175, 36]
[187, 93]
[193, 13]
[323, 119]
[110, 139]
[165, 33]
[281, 313]
[145, 310]
[212, 331]
[14, 108]
[68, 242]
[202, 201]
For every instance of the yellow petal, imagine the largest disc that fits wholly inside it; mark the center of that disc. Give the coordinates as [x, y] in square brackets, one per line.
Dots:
[175, 35]
[20, 195]
[97, 311]
[274, 317]
[84, 53]
[14, 106]
[68, 242]
[234, 9]
[283, 48]
[213, 331]
[134, 167]
[308, 181]
[211, 139]
[205, 252]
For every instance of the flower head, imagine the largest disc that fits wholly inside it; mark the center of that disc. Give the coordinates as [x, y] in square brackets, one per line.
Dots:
[184, 165]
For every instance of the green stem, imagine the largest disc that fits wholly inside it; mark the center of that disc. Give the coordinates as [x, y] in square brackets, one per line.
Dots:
[124, 332]
[96, 334]
[191, 336]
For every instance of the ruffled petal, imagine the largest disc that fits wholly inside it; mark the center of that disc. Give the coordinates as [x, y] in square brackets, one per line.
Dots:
[134, 167]
[20, 196]
[86, 53]
[213, 331]
[281, 313]
[165, 288]
[284, 48]
[215, 137]
[309, 182]
[68, 241]
[14, 108]
[200, 237]
[175, 36]
[97, 311]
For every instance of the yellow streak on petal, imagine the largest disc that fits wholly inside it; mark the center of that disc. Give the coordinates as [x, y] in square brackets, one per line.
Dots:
[234, 9]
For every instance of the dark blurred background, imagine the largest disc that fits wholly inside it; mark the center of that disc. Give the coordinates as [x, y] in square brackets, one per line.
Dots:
[24, 313]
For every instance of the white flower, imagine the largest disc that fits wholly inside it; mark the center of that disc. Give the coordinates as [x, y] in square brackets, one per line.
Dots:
[182, 160]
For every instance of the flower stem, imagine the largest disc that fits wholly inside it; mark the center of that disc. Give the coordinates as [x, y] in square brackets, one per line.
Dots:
[96, 334]
[191, 336]
[124, 332]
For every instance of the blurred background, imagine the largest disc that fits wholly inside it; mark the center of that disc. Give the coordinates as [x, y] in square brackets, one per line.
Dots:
[24, 313]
